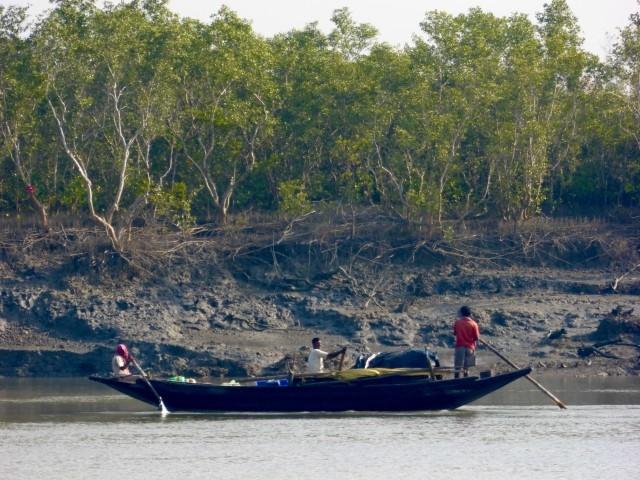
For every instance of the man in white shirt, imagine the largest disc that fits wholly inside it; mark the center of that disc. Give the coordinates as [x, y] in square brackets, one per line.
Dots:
[315, 362]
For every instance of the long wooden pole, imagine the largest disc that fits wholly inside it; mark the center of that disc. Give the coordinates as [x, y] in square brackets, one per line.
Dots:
[555, 399]
[429, 364]
[342, 359]
[161, 406]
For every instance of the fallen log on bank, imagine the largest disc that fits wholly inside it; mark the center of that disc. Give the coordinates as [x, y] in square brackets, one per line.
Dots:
[596, 349]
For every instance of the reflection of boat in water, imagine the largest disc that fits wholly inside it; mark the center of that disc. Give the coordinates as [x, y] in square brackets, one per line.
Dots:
[356, 389]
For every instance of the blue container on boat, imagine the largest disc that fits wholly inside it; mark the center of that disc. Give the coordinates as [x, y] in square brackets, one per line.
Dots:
[280, 382]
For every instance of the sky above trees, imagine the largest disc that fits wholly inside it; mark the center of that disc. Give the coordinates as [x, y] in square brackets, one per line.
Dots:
[396, 20]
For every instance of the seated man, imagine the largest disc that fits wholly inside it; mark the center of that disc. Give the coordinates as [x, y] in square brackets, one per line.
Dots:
[315, 362]
[121, 361]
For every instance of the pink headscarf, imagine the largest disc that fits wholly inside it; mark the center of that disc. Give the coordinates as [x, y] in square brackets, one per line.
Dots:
[121, 350]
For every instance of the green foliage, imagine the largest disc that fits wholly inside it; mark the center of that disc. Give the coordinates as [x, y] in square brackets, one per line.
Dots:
[422, 201]
[256, 191]
[348, 38]
[74, 195]
[293, 198]
[174, 204]
[480, 116]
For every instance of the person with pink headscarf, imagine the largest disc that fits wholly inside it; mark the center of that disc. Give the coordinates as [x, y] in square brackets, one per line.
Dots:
[121, 361]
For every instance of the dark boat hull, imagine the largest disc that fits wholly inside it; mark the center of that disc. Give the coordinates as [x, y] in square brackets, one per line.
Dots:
[413, 395]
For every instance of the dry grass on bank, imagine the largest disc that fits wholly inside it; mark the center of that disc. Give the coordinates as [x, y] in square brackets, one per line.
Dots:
[346, 235]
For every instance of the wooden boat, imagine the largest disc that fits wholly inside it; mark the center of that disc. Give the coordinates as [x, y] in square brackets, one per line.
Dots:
[391, 390]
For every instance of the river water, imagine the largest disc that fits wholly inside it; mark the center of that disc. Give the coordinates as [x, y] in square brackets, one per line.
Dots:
[75, 429]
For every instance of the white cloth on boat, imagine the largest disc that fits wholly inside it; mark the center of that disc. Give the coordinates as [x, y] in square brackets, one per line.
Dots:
[366, 365]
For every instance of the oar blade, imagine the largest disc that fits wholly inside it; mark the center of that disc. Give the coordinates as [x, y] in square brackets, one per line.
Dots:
[164, 411]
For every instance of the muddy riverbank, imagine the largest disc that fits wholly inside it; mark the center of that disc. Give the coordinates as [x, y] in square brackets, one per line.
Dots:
[195, 313]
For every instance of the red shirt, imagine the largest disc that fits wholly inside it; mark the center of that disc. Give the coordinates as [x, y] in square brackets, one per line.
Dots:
[467, 332]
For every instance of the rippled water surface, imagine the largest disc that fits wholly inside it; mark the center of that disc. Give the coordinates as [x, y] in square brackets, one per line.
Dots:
[74, 429]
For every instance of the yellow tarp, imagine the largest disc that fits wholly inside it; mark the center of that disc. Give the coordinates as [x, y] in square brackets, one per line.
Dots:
[359, 373]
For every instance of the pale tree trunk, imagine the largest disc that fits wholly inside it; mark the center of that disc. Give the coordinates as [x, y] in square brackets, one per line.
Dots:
[82, 170]
[444, 176]
[207, 143]
[16, 157]
[40, 210]
[226, 198]
[209, 183]
[126, 144]
[398, 184]
[106, 220]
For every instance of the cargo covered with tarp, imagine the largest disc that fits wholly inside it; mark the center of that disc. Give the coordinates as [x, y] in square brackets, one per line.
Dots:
[410, 358]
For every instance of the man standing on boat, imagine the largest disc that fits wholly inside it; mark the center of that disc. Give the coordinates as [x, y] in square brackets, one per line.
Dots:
[315, 362]
[467, 335]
